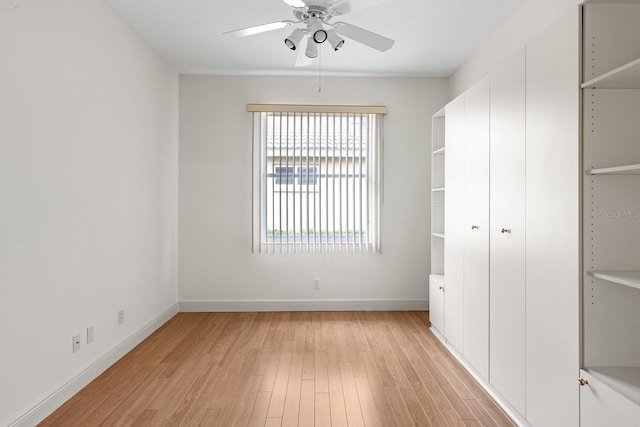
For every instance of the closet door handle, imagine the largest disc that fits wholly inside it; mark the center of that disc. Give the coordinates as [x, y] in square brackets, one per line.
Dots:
[441, 288]
[475, 227]
[505, 230]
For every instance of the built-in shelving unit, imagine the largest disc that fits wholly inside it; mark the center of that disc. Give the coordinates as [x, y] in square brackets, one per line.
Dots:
[611, 278]
[616, 170]
[436, 278]
[437, 192]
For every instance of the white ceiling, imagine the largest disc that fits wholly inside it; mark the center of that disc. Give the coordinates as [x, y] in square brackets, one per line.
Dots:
[432, 37]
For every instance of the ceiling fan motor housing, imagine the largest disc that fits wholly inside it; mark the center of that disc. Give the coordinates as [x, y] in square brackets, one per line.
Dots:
[312, 11]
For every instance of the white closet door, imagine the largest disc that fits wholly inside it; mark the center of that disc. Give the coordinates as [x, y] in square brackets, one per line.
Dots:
[476, 228]
[454, 223]
[553, 226]
[507, 235]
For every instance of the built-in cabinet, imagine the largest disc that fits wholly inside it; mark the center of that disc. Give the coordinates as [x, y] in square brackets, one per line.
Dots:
[539, 277]
[610, 375]
[512, 226]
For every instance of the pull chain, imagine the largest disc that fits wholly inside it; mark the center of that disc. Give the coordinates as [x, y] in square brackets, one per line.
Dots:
[320, 69]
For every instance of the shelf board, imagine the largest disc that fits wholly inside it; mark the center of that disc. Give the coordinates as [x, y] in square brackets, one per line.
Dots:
[626, 278]
[440, 235]
[624, 77]
[624, 380]
[439, 150]
[437, 189]
[617, 170]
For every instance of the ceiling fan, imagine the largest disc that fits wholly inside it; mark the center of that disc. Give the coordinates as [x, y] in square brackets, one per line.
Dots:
[315, 17]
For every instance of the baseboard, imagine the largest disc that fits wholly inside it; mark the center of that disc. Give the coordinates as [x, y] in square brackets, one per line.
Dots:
[52, 402]
[304, 305]
[504, 405]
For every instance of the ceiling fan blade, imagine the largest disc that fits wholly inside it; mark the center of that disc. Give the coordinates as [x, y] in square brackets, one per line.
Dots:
[295, 3]
[366, 37]
[302, 60]
[244, 32]
[340, 7]
[343, 7]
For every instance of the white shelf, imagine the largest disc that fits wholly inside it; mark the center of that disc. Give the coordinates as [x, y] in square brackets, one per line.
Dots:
[624, 380]
[617, 170]
[626, 278]
[439, 150]
[625, 77]
[435, 190]
[440, 235]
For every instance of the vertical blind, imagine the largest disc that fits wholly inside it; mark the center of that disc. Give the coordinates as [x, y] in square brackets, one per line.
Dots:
[317, 178]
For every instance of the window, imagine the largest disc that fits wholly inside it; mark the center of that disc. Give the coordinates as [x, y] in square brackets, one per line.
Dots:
[307, 175]
[283, 175]
[316, 179]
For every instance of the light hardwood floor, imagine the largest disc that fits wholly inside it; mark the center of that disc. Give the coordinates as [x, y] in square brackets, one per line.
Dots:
[286, 369]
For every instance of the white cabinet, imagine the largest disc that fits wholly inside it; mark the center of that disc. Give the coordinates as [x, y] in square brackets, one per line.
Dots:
[611, 215]
[512, 230]
[564, 266]
[553, 224]
[507, 234]
[476, 228]
[454, 223]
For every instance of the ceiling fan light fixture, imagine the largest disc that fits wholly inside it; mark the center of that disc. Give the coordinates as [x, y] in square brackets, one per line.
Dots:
[312, 50]
[293, 41]
[320, 36]
[335, 40]
[316, 30]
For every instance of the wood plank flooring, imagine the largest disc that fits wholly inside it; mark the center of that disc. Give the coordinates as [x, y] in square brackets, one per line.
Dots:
[284, 369]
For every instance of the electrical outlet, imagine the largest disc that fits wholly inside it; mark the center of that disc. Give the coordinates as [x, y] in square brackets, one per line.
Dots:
[89, 334]
[316, 283]
[120, 317]
[76, 342]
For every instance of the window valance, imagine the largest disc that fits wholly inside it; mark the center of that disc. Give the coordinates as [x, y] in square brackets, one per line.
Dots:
[309, 108]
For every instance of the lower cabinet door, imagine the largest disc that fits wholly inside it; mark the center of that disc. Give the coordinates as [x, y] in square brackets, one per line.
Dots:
[436, 302]
[601, 406]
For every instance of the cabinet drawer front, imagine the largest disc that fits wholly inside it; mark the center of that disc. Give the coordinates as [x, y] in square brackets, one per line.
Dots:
[602, 406]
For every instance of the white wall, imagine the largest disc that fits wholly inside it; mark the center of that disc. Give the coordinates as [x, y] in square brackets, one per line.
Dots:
[88, 192]
[216, 263]
[530, 20]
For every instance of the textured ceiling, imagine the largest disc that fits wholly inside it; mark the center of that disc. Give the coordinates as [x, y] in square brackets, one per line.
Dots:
[432, 37]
